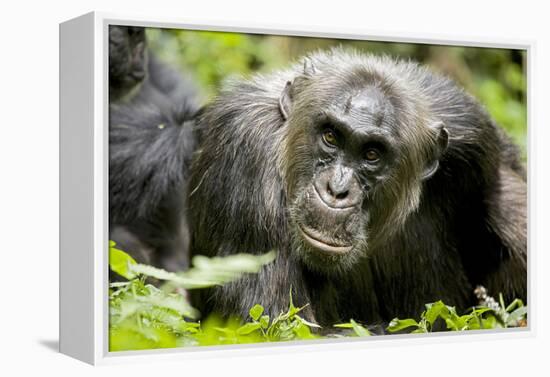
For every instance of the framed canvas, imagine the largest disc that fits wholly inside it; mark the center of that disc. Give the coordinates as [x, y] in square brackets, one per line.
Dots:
[250, 188]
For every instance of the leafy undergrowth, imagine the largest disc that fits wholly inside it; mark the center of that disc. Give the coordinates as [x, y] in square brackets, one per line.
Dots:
[143, 316]
[479, 318]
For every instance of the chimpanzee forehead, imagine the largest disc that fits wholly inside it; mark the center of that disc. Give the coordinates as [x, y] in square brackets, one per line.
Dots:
[364, 110]
[369, 101]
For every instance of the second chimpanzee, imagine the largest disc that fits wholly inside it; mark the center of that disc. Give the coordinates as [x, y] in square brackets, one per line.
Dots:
[151, 141]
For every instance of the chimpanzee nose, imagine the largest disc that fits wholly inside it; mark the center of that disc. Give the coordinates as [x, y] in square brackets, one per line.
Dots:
[337, 190]
[338, 187]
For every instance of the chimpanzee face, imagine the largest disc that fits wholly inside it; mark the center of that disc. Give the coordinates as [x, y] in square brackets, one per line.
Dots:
[354, 166]
[127, 57]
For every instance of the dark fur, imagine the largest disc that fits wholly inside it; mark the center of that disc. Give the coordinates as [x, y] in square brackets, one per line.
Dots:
[136, 74]
[127, 60]
[151, 140]
[419, 239]
[150, 155]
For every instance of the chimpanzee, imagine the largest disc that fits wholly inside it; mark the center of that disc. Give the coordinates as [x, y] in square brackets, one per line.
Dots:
[151, 141]
[136, 74]
[127, 60]
[382, 186]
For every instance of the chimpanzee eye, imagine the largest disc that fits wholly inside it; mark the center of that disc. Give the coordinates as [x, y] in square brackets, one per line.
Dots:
[329, 137]
[372, 155]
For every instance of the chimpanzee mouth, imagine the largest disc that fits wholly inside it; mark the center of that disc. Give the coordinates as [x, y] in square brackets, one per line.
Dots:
[316, 240]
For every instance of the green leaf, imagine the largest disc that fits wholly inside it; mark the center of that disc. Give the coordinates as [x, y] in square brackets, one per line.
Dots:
[130, 337]
[501, 300]
[120, 262]
[235, 263]
[226, 331]
[247, 328]
[307, 323]
[208, 272]
[256, 311]
[434, 311]
[302, 331]
[490, 322]
[517, 303]
[482, 310]
[401, 324]
[516, 315]
[178, 279]
[119, 284]
[456, 323]
[175, 302]
[292, 310]
[264, 321]
[359, 330]
[419, 331]
[343, 325]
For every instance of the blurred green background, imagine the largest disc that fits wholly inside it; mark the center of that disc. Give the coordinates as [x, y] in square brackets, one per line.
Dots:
[495, 76]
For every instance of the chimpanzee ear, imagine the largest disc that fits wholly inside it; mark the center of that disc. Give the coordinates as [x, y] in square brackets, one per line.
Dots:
[285, 100]
[440, 148]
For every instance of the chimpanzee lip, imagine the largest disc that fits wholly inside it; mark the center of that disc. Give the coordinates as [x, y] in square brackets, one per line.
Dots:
[317, 241]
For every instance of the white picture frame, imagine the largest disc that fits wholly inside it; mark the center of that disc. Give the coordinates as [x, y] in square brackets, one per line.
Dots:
[84, 188]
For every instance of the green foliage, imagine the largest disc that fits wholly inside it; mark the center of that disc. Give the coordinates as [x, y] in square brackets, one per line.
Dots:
[358, 330]
[206, 272]
[214, 56]
[143, 316]
[120, 262]
[478, 318]
[258, 329]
